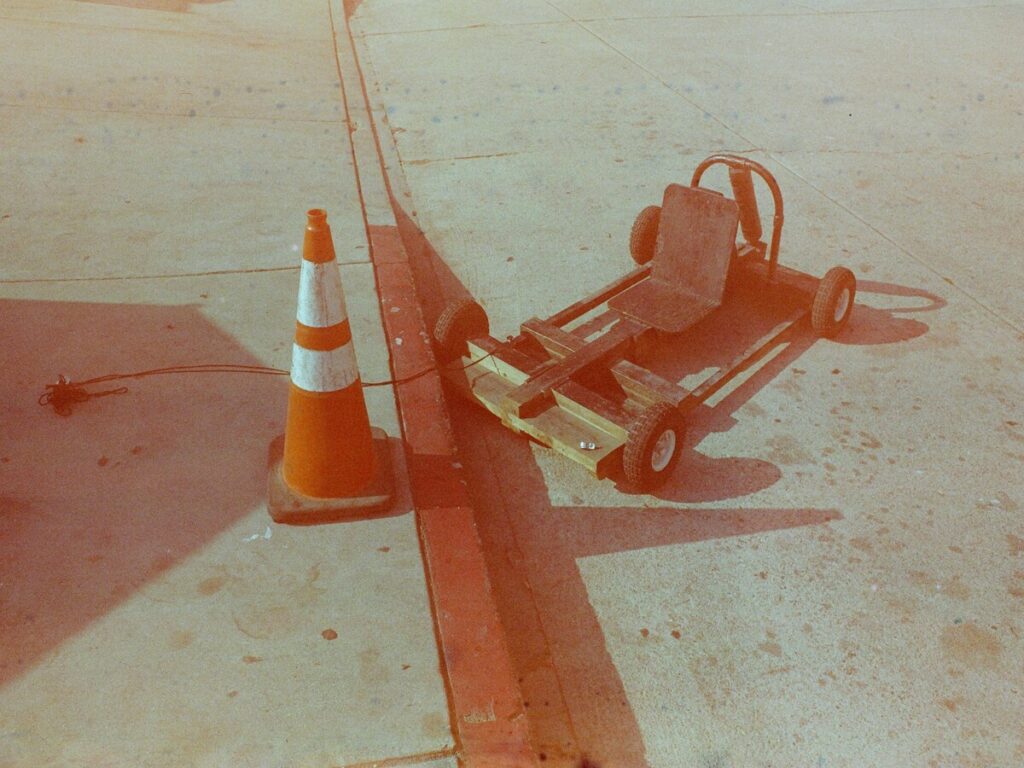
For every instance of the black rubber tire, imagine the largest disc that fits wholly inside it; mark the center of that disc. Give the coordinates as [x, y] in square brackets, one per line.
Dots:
[460, 321]
[829, 298]
[644, 432]
[644, 234]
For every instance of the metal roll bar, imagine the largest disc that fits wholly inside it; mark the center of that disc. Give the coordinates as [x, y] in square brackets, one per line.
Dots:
[746, 164]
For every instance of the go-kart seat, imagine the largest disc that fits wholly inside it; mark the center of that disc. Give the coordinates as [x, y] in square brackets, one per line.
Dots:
[696, 239]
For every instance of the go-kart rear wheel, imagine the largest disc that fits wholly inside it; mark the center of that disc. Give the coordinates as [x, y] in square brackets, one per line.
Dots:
[460, 321]
[653, 446]
[833, 302]
[644, 234]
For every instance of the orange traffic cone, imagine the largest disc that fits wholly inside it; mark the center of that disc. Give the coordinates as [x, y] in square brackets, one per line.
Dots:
[334, 464]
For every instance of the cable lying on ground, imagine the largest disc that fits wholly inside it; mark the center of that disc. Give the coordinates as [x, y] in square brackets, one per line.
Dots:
[65, 394]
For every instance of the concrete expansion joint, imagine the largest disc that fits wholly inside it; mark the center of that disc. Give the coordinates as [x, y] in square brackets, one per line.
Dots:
[475, 665]
[250, 39]
[370, 179]
[191, 114]
[175, 275]
[405, 760]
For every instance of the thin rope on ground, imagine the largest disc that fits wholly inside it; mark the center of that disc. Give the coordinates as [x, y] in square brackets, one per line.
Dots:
[65, 393]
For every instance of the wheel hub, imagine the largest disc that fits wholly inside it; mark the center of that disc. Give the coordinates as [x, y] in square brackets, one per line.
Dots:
[842, 304]
[664, 449]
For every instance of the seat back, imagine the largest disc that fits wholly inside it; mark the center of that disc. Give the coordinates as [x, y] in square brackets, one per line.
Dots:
[695, 242]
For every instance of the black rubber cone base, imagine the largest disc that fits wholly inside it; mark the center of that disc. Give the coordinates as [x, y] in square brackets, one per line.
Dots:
[287, 506]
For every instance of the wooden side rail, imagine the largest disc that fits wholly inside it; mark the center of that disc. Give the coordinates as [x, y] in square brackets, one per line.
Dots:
[535, 393]
[640, 384]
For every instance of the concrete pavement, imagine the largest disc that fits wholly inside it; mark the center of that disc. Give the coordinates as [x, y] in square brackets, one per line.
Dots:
[159, 159]
[833, 577]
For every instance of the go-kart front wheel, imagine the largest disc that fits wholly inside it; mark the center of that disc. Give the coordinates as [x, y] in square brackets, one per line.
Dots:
[459, 322]
[653, 446]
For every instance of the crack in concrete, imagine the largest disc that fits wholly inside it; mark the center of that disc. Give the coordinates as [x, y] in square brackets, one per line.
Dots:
[167, 276]
[147, 113]
[247, 40]
[810, 11]
[421, 757]
[428, 161]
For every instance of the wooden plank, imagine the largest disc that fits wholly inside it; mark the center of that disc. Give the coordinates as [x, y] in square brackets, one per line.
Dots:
[592, 408]
[563, 432]
[556, 341]
[530, 396]
[742, 361]
[647, 387]
[582, 402]
[639, 383]
[596, 323]
[663, 305]
[583, 306]
[557, 427]
[503, 360]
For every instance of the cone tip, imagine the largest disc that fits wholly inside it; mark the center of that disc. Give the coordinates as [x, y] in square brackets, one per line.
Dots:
[316, 216]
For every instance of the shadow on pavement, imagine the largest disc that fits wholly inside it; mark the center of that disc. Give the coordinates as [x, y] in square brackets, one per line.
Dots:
[96, 504]
[748, 313]
[578, 708]
[575, 698]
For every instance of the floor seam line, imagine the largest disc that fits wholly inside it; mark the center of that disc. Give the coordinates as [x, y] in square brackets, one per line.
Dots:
[406, 760]
[810, 11]
[146, 113]
[282, 42]
[214, 273]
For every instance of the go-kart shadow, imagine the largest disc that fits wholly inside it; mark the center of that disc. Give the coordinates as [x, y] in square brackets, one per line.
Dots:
[579, 710]
[748, 313]
[578, 706]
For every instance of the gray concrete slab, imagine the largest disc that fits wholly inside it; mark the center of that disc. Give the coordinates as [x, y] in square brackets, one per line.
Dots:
[152, 614]
[146, 580]
[666, 9]
[832, 576]
[259, 21]
[395, 16]
[929, 114]
[132, 125]
[870, 113]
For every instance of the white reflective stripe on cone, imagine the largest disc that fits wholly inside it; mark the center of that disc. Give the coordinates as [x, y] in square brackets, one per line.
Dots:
[324, 371]
[321, 301]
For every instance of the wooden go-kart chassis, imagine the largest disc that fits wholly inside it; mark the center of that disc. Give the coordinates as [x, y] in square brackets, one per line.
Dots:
[541, 382]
